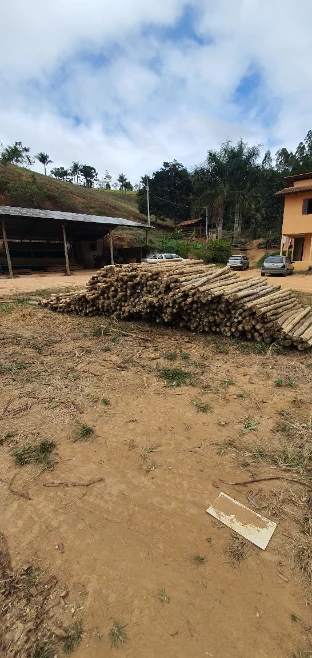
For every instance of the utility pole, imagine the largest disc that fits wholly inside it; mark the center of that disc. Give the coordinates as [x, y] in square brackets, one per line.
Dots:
[148, 202]
[206, 223]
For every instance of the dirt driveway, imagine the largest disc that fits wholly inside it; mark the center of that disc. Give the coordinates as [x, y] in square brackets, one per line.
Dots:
[135, 555]
[33, 282]
[300, 282]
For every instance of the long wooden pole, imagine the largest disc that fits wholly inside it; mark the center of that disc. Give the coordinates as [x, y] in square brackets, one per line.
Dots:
[310, 256]
[6, 246]
[67, 270]
[111, 247]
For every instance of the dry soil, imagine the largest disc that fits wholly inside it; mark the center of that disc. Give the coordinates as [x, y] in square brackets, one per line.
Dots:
[139, 547]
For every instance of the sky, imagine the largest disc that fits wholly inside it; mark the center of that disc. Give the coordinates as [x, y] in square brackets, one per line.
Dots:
[124, 85]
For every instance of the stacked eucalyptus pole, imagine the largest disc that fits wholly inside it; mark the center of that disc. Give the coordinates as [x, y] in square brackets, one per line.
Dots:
[196, 296]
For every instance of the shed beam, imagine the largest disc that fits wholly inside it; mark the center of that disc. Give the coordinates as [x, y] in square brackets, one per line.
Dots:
[6, 246]
[111, 246]
[310, 255]
[67, 270]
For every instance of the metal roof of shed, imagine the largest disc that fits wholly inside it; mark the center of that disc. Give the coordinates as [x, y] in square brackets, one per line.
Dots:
[34, 223]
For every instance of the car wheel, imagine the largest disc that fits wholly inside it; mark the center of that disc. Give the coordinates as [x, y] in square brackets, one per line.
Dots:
[285, 273]
[291, 272]
[262, 274]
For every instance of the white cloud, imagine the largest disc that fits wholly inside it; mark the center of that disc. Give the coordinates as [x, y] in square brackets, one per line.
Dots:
[144, 95]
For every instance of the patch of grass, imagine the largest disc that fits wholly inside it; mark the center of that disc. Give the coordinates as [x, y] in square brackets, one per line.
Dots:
[201, 406]
[117, 635]
[22, 300]
[249, 425]
[302, 654]
[170, 356]
[15, 367]
[184, 356]
[106, 348]
[45, 650]
[106, 402]
[5, 437]
[73, 375]
[35, 454]
[97, 331]
[302, 556]
[83, 432]
[237, 548]
[294, 617]
[224, 383]
[73, 640]
[279, 383]
[225, 446]
[250, 347]
[198, 559]
[221, 349]
[6, 308]
[176, 377]
[163, 596]
[31, 577]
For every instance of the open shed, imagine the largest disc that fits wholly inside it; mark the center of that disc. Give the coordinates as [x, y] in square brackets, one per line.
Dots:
[43, 239]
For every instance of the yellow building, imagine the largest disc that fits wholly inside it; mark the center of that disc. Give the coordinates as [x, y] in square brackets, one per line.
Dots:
[297, 222]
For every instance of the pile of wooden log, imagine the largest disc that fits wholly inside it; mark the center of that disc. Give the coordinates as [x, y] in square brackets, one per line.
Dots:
[196, 296]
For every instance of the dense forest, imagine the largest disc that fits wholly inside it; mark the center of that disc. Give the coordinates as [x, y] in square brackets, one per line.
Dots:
[235, 185]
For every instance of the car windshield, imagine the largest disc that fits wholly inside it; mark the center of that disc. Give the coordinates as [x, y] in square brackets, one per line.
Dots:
[274, 259]
[235, 258]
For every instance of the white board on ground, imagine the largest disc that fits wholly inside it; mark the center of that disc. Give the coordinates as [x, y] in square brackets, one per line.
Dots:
[243, 520]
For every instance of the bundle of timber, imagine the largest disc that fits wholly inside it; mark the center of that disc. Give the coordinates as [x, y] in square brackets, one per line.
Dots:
[196, 296]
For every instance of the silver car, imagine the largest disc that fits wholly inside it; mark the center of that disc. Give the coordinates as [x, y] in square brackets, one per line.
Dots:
[239, 262]
[277, 265]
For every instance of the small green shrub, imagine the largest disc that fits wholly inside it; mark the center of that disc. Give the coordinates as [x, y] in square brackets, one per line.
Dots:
[35, 454]
[84, 432]
[176, 376]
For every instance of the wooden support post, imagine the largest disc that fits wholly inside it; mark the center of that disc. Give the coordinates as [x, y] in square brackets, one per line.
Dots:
[6, 246]
[111, 247]
[281, 247]
[146, 238]
[67, 270]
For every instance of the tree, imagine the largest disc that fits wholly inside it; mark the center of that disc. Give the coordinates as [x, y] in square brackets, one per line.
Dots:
[75, 171]
[107, 180]
[122, 180]
[44, 158]
[128, 187]
[60, 173]
[16, 154]
[170, 193]
[89, 174]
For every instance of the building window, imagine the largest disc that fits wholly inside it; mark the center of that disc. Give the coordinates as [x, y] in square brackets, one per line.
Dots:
[307, 207]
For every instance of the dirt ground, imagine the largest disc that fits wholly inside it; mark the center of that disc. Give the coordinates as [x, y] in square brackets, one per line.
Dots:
[137, 546]
[301, 282]
[33, 282]
[41, 281]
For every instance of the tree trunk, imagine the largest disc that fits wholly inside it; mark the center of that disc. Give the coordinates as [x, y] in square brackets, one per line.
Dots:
[237, 223]
[220, 219]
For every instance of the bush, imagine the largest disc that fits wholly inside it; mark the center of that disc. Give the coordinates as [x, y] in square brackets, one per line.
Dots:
[217, 251]
[266, 255]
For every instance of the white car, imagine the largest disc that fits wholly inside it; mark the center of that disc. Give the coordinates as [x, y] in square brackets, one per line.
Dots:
[163, 257]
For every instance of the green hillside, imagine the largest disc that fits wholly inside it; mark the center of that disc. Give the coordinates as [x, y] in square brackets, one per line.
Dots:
[21, 187]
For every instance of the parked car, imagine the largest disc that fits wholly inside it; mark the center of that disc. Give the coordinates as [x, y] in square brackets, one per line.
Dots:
[239, 262]
[277, 265]
[163, 257]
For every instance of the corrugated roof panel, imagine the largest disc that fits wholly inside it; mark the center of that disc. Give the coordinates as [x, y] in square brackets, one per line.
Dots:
[68, 216]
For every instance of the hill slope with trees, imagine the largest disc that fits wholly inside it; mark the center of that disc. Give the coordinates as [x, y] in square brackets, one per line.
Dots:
[21, 187]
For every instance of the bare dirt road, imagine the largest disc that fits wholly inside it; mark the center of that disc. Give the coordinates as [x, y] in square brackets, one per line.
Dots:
[136, 552]
[33, 282]
[300, 282]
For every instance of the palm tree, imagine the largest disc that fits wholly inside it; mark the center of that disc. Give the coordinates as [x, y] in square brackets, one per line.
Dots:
[75, 171]
[44, 158]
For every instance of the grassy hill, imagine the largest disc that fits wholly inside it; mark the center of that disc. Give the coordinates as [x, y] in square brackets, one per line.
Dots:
[21, 187]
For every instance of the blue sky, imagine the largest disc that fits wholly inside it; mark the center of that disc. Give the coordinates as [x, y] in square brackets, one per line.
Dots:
[124, 86]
